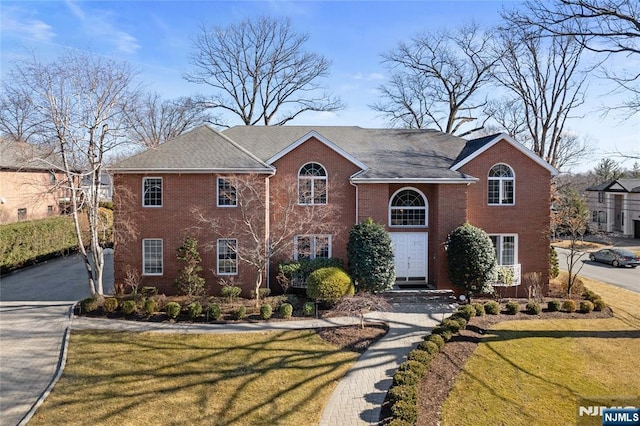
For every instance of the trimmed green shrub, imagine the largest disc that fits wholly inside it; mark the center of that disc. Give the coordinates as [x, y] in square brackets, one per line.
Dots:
[586, 306]
[451, 324]
[189, 281]
[406, 377]
[479, 308]
[554, 268]
[149, 307]
[172, 309]
[128, 307]
[492, 307]
[467, 312]
[444, 332]
[420, 356]
[266, 311]
[599, 305]
[437, 339]
[462, 323]
[554, 305]
[286, 310]
[90, 304]
[214, 311]
[240, 312]
[512, 308]
[533, 308]
[417, 367]
[309, 309]
[406, 410]
[329, 284]
[149, 291]
[231, 292]
[370, 257]
[403, 393]
[299, 270]
[429, 347]
[110, 304]
[195, 310]
[589, 295]
[569, 306]
[263, 293]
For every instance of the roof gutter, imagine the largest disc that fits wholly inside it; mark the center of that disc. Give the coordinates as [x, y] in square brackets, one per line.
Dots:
[466, 180]
[271, 171]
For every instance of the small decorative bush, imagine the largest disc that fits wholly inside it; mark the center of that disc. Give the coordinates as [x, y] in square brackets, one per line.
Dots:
[554, 305]
[172, 309]
[462, 323]
[403, 393]
[451, 325]
[492, 307]
[286, 310]
[421, 356]
[417, 367]
[533, 308]
[195, 310]
[512, 308]
[214, 311]
[240, 312]
[89, 304]
[569, 306]
[266, 311]
[586, 306]
[429, 347]
[444, 332]
[128, 307]
[329, 284]
[479, 308]
[149, 307]
[110, 304]
[599, 305]
[405, 378]
[437, 339]
[309, 309]
[406, 410]
[589, 295]
[263, 293]
[149, 291]
[467, 312]
[231, 292]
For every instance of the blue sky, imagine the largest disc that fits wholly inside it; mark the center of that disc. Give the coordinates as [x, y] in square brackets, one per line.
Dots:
[155, 37]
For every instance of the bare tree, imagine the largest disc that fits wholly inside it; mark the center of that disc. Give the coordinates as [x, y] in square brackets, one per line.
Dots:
[260, 242]
[16, 113]
[81, 103]
[546, 85]
[573, 222]
[436, 80]
[260, 71]
[154, 120]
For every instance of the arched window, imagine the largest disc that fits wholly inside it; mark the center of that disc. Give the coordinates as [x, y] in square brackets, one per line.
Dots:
[312, 184]
[408, 207]
[501, 185]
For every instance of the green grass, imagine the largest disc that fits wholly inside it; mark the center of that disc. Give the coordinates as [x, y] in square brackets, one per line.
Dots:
[533, 372]
[176, 379]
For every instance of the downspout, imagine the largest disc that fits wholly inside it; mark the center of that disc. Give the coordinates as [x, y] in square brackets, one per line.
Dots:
[357, 200]
[267, 227]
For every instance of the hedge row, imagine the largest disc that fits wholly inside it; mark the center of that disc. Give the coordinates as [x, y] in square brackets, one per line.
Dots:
[24, 242]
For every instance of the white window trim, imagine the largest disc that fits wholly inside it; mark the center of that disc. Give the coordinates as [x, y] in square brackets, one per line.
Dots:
[161, 257]
[515, 248]
[500, 187]
[144, 179]
[313, 244]
[218, 258]
[312, 179]
[224, 206]
[426, 208]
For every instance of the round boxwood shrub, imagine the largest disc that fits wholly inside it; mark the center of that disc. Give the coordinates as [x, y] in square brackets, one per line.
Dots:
[417, 367]
[110, 304]
[492, 307]
[569, 306]
[90, 304]
[308, 309]
[231, 292]
[599, 305]
[406, 410]
[406, 377]
[451, 325]
[554, 305]
[421, 356]
[149, 307]
[586, 306]
[437, 339]
[329, 284]
[462, 323]
[533, 308]
[240, 312]
[172, 309]
[403, 393]
[444, 332]
[128, 307]
[467, 312]
[429, 347]
[512, 308]
[589, 295]
[286, 310]
[195, 310]
[266, 311]
[479, 308]
[214, 311]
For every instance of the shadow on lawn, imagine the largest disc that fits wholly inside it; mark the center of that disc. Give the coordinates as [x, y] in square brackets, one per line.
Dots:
[503, 335]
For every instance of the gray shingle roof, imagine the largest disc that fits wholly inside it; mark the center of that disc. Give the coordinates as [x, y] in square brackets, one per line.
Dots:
[25, 156]
[628, 185]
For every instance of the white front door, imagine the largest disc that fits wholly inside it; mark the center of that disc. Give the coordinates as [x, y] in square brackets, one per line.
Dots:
[410, 255]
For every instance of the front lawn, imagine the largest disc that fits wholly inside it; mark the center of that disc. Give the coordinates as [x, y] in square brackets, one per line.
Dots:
[533, 372]
[233, 379]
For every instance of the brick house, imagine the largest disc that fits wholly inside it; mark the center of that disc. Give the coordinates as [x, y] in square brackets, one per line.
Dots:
[30, 183]
[420, 183]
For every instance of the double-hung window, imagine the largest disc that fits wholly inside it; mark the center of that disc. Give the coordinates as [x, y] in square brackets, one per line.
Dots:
[312, 184]
[312, 247]
[152, 256]
[227, 256]
[227, 196]
[501, 183]
[506, 249]
[152, 192]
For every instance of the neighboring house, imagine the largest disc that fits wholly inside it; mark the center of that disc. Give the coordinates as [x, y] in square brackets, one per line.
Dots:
[615, 207]
[30, 183]
[105, 187]
[421, 184]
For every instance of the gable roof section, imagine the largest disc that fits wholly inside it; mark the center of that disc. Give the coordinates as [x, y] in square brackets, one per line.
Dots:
[618, 185]
[201, 150]
[475, 147]
[22, 156]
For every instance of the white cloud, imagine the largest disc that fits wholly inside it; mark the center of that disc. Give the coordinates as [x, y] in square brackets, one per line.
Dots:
[13, 22]
[368, 77]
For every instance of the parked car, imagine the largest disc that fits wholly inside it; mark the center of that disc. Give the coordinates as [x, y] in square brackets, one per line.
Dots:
[616, 257]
